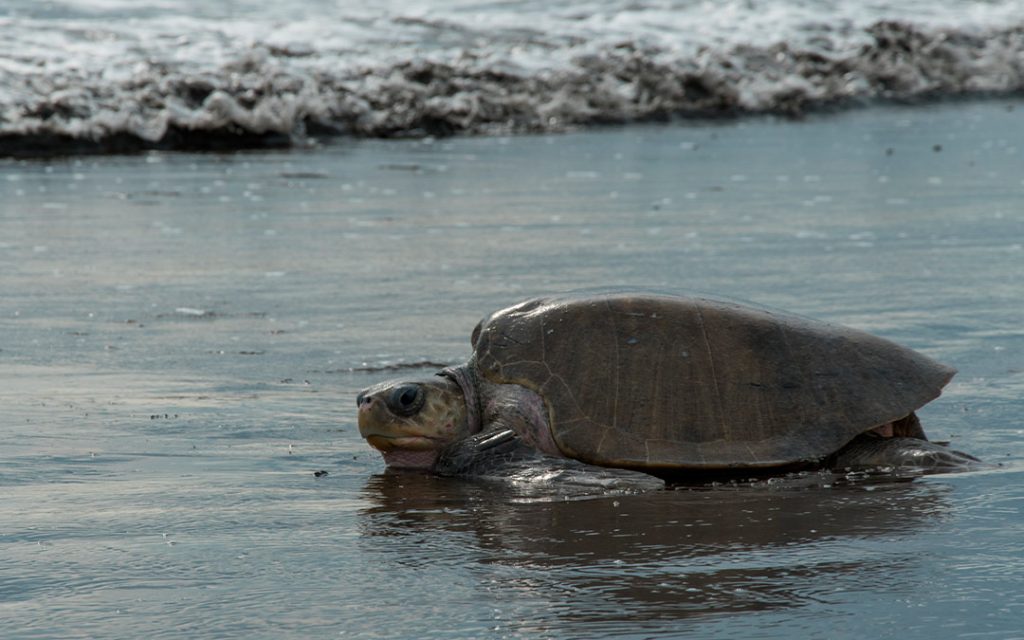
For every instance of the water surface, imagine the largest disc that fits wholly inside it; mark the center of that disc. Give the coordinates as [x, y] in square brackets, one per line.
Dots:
[182, 337]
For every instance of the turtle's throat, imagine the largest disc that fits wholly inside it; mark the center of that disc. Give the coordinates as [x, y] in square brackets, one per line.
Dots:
[463, 376]
[410, 459]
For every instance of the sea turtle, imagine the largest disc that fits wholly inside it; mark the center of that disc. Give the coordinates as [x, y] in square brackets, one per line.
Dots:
[667, 385]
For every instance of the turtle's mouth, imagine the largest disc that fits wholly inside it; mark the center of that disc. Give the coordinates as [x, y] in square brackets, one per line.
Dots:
[386, 443]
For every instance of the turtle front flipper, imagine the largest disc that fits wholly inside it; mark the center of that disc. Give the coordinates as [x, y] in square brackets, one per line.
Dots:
[500, 454]
[483, 453]
[870, 452]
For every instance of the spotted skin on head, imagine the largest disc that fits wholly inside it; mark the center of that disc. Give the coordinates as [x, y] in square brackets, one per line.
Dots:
[409, 422]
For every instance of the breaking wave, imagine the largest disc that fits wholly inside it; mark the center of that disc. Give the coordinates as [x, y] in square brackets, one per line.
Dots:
[85, 83]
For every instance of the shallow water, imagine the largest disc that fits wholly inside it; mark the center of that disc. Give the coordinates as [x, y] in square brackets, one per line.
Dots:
[182, 337]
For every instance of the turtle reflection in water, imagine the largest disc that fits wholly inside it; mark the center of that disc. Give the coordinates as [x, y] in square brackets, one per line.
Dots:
[675, 387]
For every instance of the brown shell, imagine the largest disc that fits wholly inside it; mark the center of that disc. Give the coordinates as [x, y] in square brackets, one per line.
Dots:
[657, 381]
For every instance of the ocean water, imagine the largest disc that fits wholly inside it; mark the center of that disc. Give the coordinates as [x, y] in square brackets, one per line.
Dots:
[183, 334]
[116, 75]
[182, 337]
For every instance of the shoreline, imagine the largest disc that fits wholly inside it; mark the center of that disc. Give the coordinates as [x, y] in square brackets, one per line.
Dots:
[231, 138]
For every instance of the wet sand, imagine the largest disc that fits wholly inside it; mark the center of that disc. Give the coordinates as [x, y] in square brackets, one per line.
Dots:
[182, 337]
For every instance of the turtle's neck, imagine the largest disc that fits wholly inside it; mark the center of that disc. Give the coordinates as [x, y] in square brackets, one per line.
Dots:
[465, 378]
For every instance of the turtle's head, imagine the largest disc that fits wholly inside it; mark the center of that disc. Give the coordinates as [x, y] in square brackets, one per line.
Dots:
[409, 422]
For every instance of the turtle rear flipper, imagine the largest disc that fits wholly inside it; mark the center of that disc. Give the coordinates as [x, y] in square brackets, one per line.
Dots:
[869, 452]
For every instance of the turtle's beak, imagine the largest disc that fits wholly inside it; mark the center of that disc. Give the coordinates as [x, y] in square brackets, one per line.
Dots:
[374, 416]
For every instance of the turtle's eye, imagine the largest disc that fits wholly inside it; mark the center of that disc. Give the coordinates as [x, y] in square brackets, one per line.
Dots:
[406, 399]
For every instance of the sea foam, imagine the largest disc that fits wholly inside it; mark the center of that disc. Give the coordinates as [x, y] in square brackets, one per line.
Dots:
[117, 76]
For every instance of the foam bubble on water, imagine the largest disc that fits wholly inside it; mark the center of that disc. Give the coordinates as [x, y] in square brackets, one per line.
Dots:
[189, 311]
